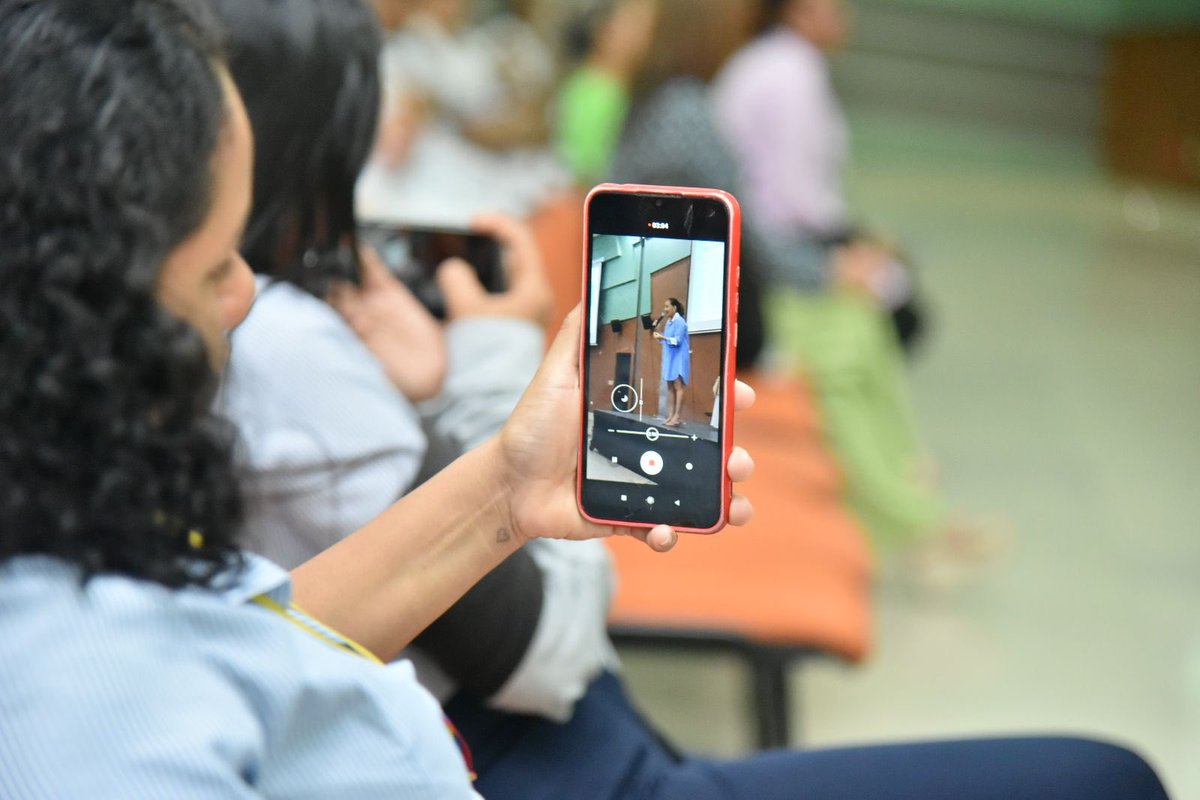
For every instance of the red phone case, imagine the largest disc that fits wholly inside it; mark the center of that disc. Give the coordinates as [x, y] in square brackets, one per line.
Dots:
[730, 368]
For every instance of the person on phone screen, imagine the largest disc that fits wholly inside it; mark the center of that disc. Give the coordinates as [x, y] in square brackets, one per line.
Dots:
[676, 358]
[715, 422]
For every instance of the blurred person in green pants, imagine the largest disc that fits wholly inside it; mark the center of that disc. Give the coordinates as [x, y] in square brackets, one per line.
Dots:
[848, 352]
[843, 329]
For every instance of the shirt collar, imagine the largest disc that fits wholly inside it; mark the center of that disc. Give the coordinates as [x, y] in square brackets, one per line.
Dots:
[259, 576]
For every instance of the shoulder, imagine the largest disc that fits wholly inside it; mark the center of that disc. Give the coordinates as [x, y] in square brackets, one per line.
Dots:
[124, 688]
[287, 326]
[96, 675]
[296, 365]
[120, 623]
[754, 55]
[775, 62]
[682, 98]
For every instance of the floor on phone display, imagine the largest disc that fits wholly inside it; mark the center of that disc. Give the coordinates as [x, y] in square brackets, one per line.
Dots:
[1059, 391]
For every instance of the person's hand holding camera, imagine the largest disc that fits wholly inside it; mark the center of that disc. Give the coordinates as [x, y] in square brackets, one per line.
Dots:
[859, 267]
[528, 294]
[401, 334]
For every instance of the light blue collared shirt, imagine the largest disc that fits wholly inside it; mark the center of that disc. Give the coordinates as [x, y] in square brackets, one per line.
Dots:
[128, 689]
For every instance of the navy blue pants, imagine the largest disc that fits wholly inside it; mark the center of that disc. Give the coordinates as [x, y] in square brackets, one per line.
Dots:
[606, 752]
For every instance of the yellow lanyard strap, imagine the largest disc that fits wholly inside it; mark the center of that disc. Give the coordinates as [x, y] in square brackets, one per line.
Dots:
[305, 622]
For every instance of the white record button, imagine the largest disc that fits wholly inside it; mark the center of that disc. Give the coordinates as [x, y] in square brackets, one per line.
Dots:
[652, 462]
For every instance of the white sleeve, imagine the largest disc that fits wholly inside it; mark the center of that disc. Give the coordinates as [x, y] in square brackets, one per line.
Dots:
[491, 362]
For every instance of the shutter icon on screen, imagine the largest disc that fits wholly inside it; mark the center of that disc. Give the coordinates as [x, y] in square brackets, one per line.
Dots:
[651, 463]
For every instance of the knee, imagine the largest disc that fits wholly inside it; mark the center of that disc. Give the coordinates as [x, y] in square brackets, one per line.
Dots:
[1106, 770]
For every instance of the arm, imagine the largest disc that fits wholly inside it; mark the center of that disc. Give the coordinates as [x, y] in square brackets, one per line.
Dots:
[494, 342]
[491, 361]
[531, 635]
[480, 641]
[388, 581]
[678, 332]
[591, 110]
[570, 646]
[670, 340]
[671, 337]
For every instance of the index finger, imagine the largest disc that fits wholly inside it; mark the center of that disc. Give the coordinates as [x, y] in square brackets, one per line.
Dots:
[373, 270]
[743, 396]
[561, 364]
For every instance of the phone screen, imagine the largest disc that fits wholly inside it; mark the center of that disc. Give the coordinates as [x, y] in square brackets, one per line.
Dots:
[413, 254]
[654, 359]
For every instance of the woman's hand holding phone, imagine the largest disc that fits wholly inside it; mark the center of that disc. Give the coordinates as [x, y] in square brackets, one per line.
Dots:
[538, 455]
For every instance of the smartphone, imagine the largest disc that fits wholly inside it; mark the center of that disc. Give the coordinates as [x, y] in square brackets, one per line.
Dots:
[413, 254]
[657, 355]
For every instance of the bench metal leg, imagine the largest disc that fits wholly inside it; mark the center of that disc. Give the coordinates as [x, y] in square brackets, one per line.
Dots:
[772, 697]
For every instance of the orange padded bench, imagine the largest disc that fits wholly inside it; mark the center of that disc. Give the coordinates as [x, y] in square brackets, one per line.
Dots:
[558, 229]
[795, 581]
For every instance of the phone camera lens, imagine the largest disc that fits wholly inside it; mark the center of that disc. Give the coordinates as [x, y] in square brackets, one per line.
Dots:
[658, 203]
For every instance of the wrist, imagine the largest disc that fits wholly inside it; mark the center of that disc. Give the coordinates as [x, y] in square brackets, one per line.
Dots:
[500, 485]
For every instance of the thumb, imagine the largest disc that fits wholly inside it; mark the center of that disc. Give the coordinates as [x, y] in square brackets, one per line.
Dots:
[459, 285]
[561, 363]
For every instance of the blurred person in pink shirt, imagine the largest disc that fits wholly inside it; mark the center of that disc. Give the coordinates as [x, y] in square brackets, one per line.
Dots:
[777, 108]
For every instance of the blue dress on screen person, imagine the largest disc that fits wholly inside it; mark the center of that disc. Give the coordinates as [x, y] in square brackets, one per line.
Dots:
[676, 357]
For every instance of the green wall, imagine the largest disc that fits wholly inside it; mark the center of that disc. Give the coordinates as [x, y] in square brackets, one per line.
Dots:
[1094, 16]
[619, 279]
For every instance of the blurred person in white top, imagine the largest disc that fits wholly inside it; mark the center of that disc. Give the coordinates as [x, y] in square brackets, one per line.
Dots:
[464, 127]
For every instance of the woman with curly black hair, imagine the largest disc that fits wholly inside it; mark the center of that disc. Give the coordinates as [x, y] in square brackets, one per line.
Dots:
[142, 653]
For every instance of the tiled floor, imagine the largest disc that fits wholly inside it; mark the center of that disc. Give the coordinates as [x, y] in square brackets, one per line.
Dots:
[1061, 394]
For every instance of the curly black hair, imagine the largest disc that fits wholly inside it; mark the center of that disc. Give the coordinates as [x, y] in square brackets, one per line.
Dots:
[110, 456]
[308, 71]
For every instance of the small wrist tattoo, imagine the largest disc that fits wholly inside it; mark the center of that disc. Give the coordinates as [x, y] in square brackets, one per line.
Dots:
[503, 535]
